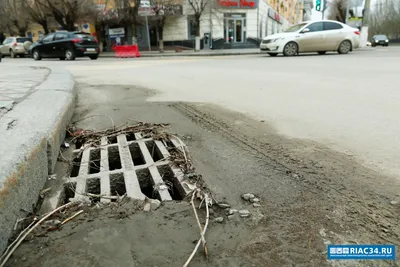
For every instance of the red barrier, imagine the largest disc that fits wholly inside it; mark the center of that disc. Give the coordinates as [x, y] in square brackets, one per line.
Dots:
[113, 47]
[127, 51]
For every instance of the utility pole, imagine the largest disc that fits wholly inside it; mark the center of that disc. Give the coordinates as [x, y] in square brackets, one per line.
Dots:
[365, 22]
[324, 2]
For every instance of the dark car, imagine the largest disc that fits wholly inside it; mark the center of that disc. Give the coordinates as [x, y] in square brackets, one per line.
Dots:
[65, 45]
[380, 39]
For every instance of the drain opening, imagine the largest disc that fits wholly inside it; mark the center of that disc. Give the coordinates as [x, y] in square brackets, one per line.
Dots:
[93, 187]
[94, 158]
[112, 139]
[169, 144]
[76, 164]
[114, 160]
[136, 154]
[174, 186]
[117, 185]
[78, 144]
[69, 192]
[154, 151]
[130, 137]
[146, 184]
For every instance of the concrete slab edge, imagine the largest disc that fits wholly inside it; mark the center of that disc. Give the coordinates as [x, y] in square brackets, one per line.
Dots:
[31, 146]
[189, 55]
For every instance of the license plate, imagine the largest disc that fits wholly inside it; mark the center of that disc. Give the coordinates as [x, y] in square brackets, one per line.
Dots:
[91, 50]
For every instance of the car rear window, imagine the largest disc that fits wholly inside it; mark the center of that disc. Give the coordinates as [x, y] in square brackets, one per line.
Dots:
[82, 36]
[23, 40]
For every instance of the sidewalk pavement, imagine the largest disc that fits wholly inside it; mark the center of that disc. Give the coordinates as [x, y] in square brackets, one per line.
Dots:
[203, 53]
[16, 83]
[189, 53]
[36, 105]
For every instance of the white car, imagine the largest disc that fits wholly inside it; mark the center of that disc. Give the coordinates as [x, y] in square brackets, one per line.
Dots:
[13, 46]
[313, 36]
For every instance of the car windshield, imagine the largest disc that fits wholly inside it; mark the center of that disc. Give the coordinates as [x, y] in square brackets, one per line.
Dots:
[380, 37]
[296, 27]
[23, 40]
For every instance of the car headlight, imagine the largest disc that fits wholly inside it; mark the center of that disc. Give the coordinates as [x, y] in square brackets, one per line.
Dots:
[387, 41]
[277, 39]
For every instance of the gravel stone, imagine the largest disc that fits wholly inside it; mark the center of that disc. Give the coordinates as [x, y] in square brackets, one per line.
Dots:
[248, 196]
[224, 205]
[244, 213]
[219, 219]
[255, 200]
[155, 204]
[147, 207]
[232, 211]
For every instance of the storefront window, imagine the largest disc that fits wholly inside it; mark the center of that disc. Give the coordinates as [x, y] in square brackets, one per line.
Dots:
[234, 28]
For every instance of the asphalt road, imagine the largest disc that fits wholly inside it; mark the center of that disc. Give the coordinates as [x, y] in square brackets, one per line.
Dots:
[347, 102]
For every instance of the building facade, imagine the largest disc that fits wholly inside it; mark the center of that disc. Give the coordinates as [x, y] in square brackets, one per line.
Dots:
[228, 24]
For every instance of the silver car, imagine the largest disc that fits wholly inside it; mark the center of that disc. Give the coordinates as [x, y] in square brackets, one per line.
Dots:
[13, 46]
[313, 36]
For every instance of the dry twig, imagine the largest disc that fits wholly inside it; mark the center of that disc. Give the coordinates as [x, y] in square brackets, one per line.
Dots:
[204, 229]
[20, 239]
[16, 240]
[70, 218]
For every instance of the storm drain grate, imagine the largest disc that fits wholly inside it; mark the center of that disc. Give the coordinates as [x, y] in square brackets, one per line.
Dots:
[126, 164]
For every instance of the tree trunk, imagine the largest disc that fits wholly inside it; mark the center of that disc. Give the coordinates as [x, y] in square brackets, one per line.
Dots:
[22, 31]
[45, 27]
[10, 30]
[160, 29]
[197, 40]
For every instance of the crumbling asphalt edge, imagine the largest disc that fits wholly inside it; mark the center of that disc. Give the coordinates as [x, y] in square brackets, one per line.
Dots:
[30, 138]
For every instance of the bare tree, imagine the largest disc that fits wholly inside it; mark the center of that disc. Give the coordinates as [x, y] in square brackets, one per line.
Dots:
[69, 12]
[39, 13]
[385, 19]
[162, 10]
[16, 15]
[337, 10]
[198, 6]
[126, 13]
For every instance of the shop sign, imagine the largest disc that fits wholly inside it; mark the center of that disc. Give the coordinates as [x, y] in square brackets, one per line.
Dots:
[169, 10]
[246, 4]
[273, 15]
[116, 32]
[145, 8]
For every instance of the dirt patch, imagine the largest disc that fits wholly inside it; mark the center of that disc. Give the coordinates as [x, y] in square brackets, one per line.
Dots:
[310, 196]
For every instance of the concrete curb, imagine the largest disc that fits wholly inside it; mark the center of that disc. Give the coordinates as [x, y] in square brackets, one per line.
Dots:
[30, 138]
[188, 55]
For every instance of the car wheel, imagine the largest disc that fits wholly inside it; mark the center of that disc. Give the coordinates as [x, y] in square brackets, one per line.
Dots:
[344, 47]
[94, 57]
[62, 58]
[273, 54]
[322, 52]
[70, 54]
[36, 55]
[12, 54]
[290, 49]
[21, 56]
